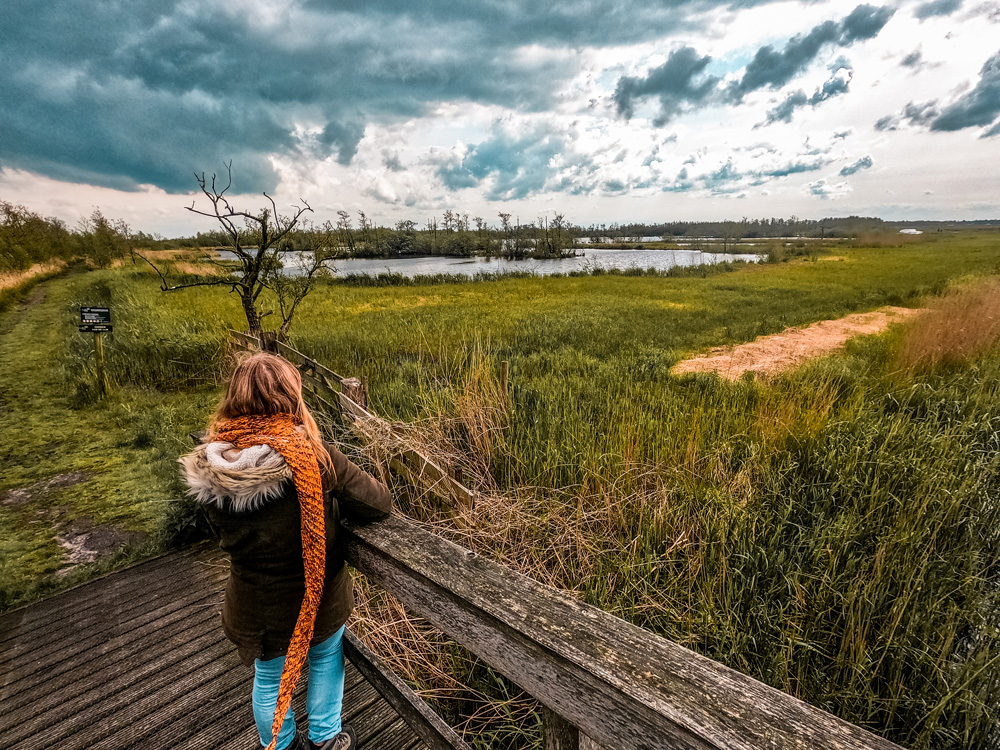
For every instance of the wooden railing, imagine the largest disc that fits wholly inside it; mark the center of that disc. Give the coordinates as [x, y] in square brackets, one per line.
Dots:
[602, 681]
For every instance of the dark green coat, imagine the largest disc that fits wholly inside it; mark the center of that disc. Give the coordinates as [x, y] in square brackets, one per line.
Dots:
[255, 511]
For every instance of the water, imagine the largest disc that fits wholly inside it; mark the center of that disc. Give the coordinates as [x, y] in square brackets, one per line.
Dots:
[605, 259]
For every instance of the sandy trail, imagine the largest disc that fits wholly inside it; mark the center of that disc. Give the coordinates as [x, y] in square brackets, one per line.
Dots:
[769, 355]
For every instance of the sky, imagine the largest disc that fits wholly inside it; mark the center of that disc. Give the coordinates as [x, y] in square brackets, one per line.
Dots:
[679, 110]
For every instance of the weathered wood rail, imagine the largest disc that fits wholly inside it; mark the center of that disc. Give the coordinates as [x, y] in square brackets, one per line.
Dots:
[611, 682]
[602, 681]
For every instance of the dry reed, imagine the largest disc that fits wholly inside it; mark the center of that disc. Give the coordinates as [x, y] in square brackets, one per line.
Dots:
[957, 327]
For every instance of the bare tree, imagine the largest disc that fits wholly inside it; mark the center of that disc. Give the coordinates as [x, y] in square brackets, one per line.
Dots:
[257, 240]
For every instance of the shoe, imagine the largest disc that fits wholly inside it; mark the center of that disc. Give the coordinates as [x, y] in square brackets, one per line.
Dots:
[301, 742]
[343, 741]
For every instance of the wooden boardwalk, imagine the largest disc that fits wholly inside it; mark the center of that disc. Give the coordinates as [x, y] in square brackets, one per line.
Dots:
[137, 659]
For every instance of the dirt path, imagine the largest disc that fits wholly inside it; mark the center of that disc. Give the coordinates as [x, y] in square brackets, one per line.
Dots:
[769, 355]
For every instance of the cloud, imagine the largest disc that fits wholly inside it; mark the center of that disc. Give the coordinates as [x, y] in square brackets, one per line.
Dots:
[772, 68]
[980, 106]
[676, 83]
[390, 160]
[915, 114]
[513, 165]
[798, 167]
[937, 8]
[825, 191]
[865, 162]
[783, 112]
[730, 178]
[838, 83]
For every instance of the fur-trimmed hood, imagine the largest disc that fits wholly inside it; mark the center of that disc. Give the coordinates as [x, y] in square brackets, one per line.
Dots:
[234, 479]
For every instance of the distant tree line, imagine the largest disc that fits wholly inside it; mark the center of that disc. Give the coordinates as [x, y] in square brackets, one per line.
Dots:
[455, 234]
[744, 228]
[28, 238]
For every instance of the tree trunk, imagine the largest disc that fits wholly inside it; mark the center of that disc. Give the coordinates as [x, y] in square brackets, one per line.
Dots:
[253, 317]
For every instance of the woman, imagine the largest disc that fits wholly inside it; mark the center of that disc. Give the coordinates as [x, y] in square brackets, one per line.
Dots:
[274, 491]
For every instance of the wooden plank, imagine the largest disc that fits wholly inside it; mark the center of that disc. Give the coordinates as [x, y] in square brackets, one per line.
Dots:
[175, 703]
[125, 631]
[372, 720]
[94, 716]
[396, 736]
[106, 669]
[427, 725]
[197, 716]
[246, 340]
[301, 361]
[31, 670]
[83, 615]
[97, 592]
[620, 685]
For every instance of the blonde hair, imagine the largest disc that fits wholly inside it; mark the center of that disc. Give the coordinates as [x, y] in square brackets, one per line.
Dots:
[263, 384]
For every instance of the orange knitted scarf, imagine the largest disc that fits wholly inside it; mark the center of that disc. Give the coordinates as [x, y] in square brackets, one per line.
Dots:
[278, 431]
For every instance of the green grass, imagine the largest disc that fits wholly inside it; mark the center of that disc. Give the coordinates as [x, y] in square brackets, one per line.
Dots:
[124, 447]
[833, 532]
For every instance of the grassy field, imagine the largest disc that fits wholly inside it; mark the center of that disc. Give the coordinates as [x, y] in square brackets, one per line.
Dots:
[833, 532]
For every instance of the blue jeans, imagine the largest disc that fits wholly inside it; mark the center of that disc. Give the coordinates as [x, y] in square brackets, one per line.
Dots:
[324, 696]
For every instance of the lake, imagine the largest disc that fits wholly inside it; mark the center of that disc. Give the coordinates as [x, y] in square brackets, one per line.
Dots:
[594, 258]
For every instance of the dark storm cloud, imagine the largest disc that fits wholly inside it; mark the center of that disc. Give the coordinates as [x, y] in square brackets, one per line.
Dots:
[937, 8]
[681, 83]
[772, 68]
[980, 106]
[124, 93]
[676, 83]
[865, 162]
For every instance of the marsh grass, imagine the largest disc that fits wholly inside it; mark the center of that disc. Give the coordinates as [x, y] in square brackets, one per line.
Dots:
[841, 545]
[957, 328]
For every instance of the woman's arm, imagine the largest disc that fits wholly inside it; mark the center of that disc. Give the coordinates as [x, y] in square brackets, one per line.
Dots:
[360, 495]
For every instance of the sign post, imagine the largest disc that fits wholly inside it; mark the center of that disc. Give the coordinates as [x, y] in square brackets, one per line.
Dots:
[98, 321]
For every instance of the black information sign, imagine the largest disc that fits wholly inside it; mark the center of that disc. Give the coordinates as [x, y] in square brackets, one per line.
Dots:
[95, 319]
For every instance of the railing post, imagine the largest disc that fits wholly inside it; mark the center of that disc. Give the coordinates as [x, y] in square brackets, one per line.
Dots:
[559, 733]
[355, 390]
[269, 340]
